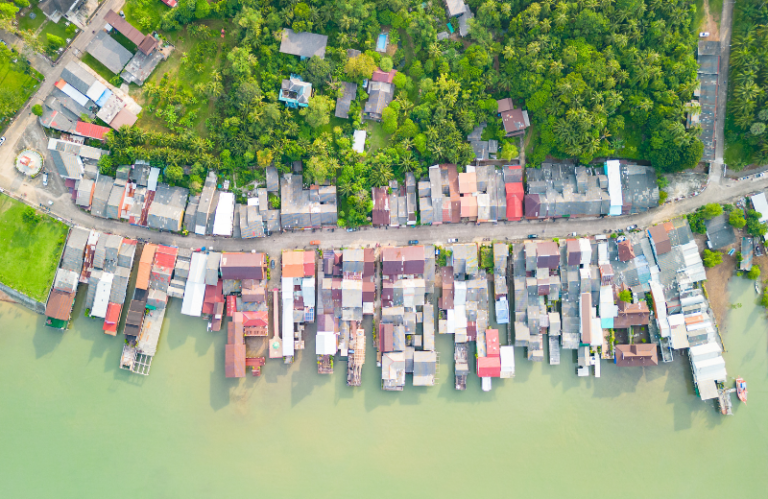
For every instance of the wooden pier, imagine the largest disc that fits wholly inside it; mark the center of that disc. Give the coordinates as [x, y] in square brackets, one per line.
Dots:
[554, 350]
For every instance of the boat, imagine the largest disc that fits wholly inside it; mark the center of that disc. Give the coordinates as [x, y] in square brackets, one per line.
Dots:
[741, 389]
[757, 287]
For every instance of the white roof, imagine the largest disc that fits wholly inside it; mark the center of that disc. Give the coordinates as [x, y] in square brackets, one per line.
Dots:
[96, 90]
[608, 308]
[679, 337]
[358, 144]
[707, 389]
[194, 292]
[326, 343]
[75, 94]
[761, 205]
[101, 299]
[225, 212]
[287, 304]
[586, 251]
[710, 369]
[705, 351]
[602, 254]
[676, 319]
[154, 173]
[507, 357]
[597, 333]
[613, 170]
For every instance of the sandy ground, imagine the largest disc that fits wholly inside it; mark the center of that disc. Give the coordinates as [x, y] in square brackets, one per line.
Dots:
[710, 24]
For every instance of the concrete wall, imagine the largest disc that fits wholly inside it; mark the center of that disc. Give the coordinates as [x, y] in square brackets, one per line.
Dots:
[23, 299]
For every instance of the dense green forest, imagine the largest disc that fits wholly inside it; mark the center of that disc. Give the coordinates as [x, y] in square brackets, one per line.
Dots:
[747, 116]
[599, 78]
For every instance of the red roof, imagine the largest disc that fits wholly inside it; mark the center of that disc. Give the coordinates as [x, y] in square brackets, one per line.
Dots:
[213, 294]
[381, 76]
[165, 256]
[231, 305]
[112, 318]
[90, 130]
[256, 319]
[169, 3]
[234, 361]
[492, 342]
[489, 367]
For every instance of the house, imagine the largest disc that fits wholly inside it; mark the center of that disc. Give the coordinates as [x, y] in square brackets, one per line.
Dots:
[720, 232]
[145, 43]
[225, 210]
[631, 314]
[243, 266]
[141, 66]
[636, 355]
[68, 165]
[761, 206]
[302, 208]
[381, 91]
[558, 190]
[344, 102]
[659, 240]
[295, 92]
[515, 120]
[380, 215]
[626, 251]
[304, 45]
[91, 131]
[167, 209]
[109, 52]
[55, 9]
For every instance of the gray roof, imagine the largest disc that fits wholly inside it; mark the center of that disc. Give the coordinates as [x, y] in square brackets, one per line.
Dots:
[380, 95]
[141, 66]
[50, 7]
[344, 102]
[67, 164]
[273, 180]
[719, 232]
[455, 7]
[109, 52]
[303, 44]
[77, 76]
[60, 101]
[54, 116]
[167, 209]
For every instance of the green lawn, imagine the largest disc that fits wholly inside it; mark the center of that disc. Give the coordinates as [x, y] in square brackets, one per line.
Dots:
[122, 40]
[98, 67]
[22, 85]
[145, 16]
[26, 23]
[29, 254]
[59, 29]
[377, 138]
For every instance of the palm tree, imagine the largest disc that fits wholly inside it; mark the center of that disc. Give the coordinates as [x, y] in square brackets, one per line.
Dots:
[408, 162]
[381, 175]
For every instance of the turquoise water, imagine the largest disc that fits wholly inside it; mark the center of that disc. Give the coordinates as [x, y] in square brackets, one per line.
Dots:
[73, 425]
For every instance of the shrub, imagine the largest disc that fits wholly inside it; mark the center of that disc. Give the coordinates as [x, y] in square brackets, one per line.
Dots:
[736, 219]
[37, 110]
[753, 273]
[386, 64]
[712, 258]
[625, 296]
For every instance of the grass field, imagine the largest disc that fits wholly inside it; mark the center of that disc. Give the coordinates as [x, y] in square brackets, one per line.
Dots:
[122, 40]
[27, 23]
[29, 254]
[22, 85]
[98, 67]
[377, 138]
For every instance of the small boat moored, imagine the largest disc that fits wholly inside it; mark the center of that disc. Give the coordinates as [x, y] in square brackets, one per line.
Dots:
[741, 389]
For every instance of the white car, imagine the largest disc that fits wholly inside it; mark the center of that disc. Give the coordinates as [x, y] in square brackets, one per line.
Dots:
[45, 179]
[2, 140]
[704, 34]
[453, 240]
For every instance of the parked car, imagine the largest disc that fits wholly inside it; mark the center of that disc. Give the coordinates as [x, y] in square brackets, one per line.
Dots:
[413, 241]
[533, 236]
[453, 240]
[314, 243]
[45, 179]
[704, 34]
[2, 140]
[272, 264]
[573, 234]
[760, 175]
[758, 250]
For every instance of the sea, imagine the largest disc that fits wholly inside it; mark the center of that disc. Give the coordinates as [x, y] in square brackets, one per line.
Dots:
[73, 425]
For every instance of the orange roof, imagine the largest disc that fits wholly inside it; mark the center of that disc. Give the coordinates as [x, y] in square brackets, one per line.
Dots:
[694, 319]
[669, 227]
[293, 264]
[112, 319]
[60, 84]
[468, 207]
[148, 253]
[467, 183]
